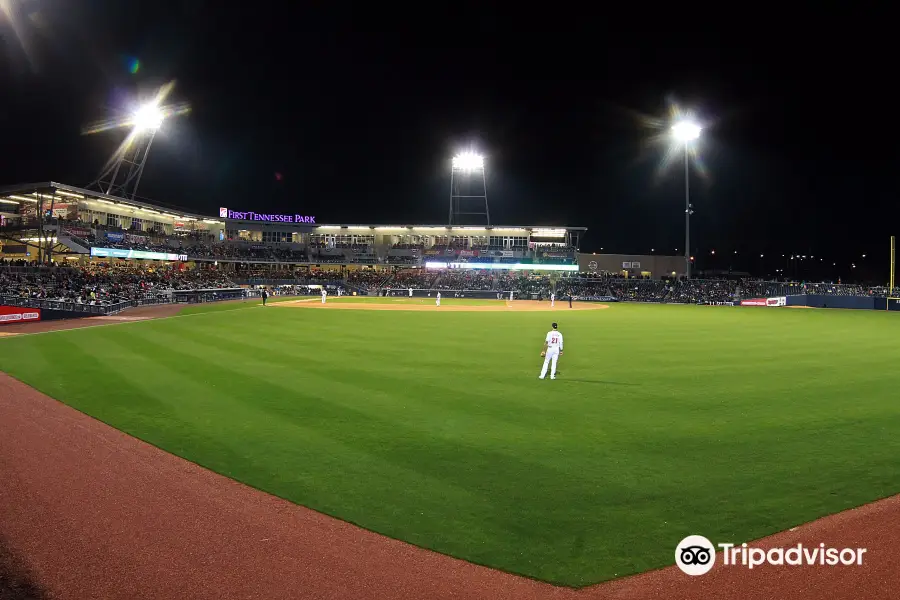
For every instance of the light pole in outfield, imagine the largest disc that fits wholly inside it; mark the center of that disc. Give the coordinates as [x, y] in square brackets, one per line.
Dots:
[685, 132]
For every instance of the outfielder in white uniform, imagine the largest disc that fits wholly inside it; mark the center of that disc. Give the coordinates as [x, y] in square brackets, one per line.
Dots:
[410, 292]
[324, 294]
[552, 300]
[510, 296]
[553, 349]
[438, 301]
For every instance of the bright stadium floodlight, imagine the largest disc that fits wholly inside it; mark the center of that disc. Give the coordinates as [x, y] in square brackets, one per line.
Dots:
[468, 161]
[148, 118]
[143, 122]
[686, 131]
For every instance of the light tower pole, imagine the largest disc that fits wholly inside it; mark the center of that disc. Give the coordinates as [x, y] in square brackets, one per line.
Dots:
[467, 198]
[122, 174]
[684, 133]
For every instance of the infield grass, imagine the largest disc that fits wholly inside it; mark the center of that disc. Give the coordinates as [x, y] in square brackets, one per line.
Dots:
[433, 428]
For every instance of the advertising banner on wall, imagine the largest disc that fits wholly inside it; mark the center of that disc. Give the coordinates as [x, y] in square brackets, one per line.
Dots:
[78, 231]
[18, 314]
[61, 210]
[120, 253]
[777, 301]
[500, 266]
[755, 302]
[115, 237]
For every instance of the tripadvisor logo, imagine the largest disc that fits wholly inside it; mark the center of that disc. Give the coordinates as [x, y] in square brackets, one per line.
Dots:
[696, 555]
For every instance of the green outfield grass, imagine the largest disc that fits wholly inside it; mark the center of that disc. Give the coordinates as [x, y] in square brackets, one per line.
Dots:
[433, 428]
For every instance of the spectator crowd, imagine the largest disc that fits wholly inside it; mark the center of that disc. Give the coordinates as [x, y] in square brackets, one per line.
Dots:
[103, 283]
[107, 283]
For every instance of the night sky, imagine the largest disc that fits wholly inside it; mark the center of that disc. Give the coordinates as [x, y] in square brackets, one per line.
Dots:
[359, 111]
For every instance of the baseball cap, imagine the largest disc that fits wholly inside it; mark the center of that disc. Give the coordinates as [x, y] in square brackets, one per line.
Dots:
[554, 326]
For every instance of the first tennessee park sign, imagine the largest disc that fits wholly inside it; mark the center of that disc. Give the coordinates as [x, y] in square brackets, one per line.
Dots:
[225, 213]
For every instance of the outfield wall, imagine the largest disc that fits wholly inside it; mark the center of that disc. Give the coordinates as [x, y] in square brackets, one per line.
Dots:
[13, 315]
[851, 302]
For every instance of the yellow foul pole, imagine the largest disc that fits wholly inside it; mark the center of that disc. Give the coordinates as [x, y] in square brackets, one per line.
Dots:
[893, 255]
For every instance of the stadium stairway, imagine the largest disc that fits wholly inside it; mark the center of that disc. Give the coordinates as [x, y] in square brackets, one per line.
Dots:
[73, 243]
[386, 282]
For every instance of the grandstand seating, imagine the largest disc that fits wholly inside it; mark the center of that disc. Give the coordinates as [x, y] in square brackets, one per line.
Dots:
[105, 283]
[200, 246]
[102, 283]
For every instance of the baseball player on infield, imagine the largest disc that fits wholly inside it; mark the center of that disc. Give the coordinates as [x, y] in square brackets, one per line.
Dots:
[324, 294]
[553, 349]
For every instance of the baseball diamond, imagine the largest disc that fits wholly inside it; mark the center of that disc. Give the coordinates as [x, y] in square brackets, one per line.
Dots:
[389, 412]
[285, 400]
[400, 417]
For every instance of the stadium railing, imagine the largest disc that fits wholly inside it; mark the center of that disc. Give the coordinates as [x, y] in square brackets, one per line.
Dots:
[91, 309]
[211, 295]
[264, 281]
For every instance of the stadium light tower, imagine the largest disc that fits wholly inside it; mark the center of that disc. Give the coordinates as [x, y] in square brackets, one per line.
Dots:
[468, 189]
[132, 155]
[122, 173]
[685, 132]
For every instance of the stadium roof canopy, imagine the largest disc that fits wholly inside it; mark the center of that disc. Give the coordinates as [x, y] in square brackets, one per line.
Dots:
[439, 228]
[31, 192]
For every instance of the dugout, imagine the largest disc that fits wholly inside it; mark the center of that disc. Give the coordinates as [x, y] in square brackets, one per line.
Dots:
[210, 295]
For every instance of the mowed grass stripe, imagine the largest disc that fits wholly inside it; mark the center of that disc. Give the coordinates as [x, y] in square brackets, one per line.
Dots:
[433, 428]
[452, 455]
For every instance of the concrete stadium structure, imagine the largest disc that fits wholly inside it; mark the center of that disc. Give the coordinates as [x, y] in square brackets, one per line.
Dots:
[51, 219]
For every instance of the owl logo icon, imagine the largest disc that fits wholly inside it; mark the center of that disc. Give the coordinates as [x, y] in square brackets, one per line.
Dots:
[592, 266]
[223, 213]
[695, 555]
